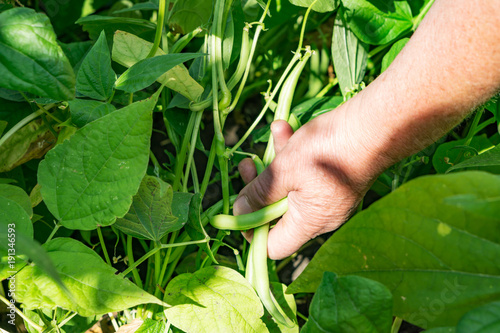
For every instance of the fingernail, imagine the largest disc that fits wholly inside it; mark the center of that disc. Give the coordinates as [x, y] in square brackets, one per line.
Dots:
[241, 206]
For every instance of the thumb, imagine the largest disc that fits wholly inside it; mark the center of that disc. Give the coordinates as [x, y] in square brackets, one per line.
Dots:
[269, 187]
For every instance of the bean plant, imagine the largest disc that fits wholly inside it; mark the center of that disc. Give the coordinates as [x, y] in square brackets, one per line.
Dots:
[121, 127]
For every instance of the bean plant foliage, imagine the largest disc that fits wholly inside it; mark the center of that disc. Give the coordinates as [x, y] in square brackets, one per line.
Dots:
[121, 127]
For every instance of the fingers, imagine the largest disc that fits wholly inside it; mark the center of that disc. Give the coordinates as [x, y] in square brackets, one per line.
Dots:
[269, 186]
[281, 131]
[247, 170]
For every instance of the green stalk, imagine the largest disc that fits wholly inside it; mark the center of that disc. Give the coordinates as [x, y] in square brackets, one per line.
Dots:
[130, 255]
[420, 17]
[295, 58]
[158, 248]
[184, 40]
[208, 169]
[181, 157]
[165, 264]
[396, 325]
[194, 137]
[56, 227]
[226, 94]
[159, 29]
[20, 124]
[21, 314]
[103, 246]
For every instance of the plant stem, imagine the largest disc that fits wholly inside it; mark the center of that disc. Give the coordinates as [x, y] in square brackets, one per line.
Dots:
[420, 17]
[181, 157]
[156, 249]
[130, 255]
[396, 325]
[208, 169]
[159, 29]
[194, 137]
[295, 58]
[21, 314]
[165, 263]
[103, 246]
[19, 125]
[56, 227]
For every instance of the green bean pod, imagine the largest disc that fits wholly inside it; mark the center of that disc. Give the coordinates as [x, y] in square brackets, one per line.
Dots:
[184, 40]
[251, 220]
[237, 75]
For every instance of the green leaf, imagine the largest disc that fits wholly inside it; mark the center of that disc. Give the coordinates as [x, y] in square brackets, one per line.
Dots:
[3, 126]
[30, 59]
[89, 180]
[15, 224]
[393, 52]
[150, 216]
[76, 52]
[138, 6]
[350, 304]
[212, 297]
[441, 330]
[147, 71]
[181, 203]
[349, 56]
[17, 195]
[95, 287]
[152, 326]
[94, 24]
[490, 157]
[76, 324]
[378, 21]
[84, 111]
[129, 49]
[322, 6]
[451, 153]
[194, 228]
[438, 260]
[484, 319]
[95, 77]
[188, 15]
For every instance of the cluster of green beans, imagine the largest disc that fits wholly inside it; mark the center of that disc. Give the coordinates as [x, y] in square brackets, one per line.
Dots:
[256, 270]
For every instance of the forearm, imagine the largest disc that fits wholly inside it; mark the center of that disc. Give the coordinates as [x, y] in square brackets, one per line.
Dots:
[450, 66]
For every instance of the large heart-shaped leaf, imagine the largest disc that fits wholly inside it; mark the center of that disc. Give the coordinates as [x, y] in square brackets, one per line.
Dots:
[95, 77]
[350, 304]
[349, 56]
[378, 21]
[484, 319]
[212, 299]
[438, 260]
[94, 286]
[30, 59]
[129, 49]
[90, 179]
[150, 216]
[17, 195]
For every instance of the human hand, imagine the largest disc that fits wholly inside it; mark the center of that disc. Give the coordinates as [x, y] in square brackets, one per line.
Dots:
[323, 185]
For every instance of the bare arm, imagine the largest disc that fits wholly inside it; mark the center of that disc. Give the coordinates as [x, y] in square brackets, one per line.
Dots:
[450, 66]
